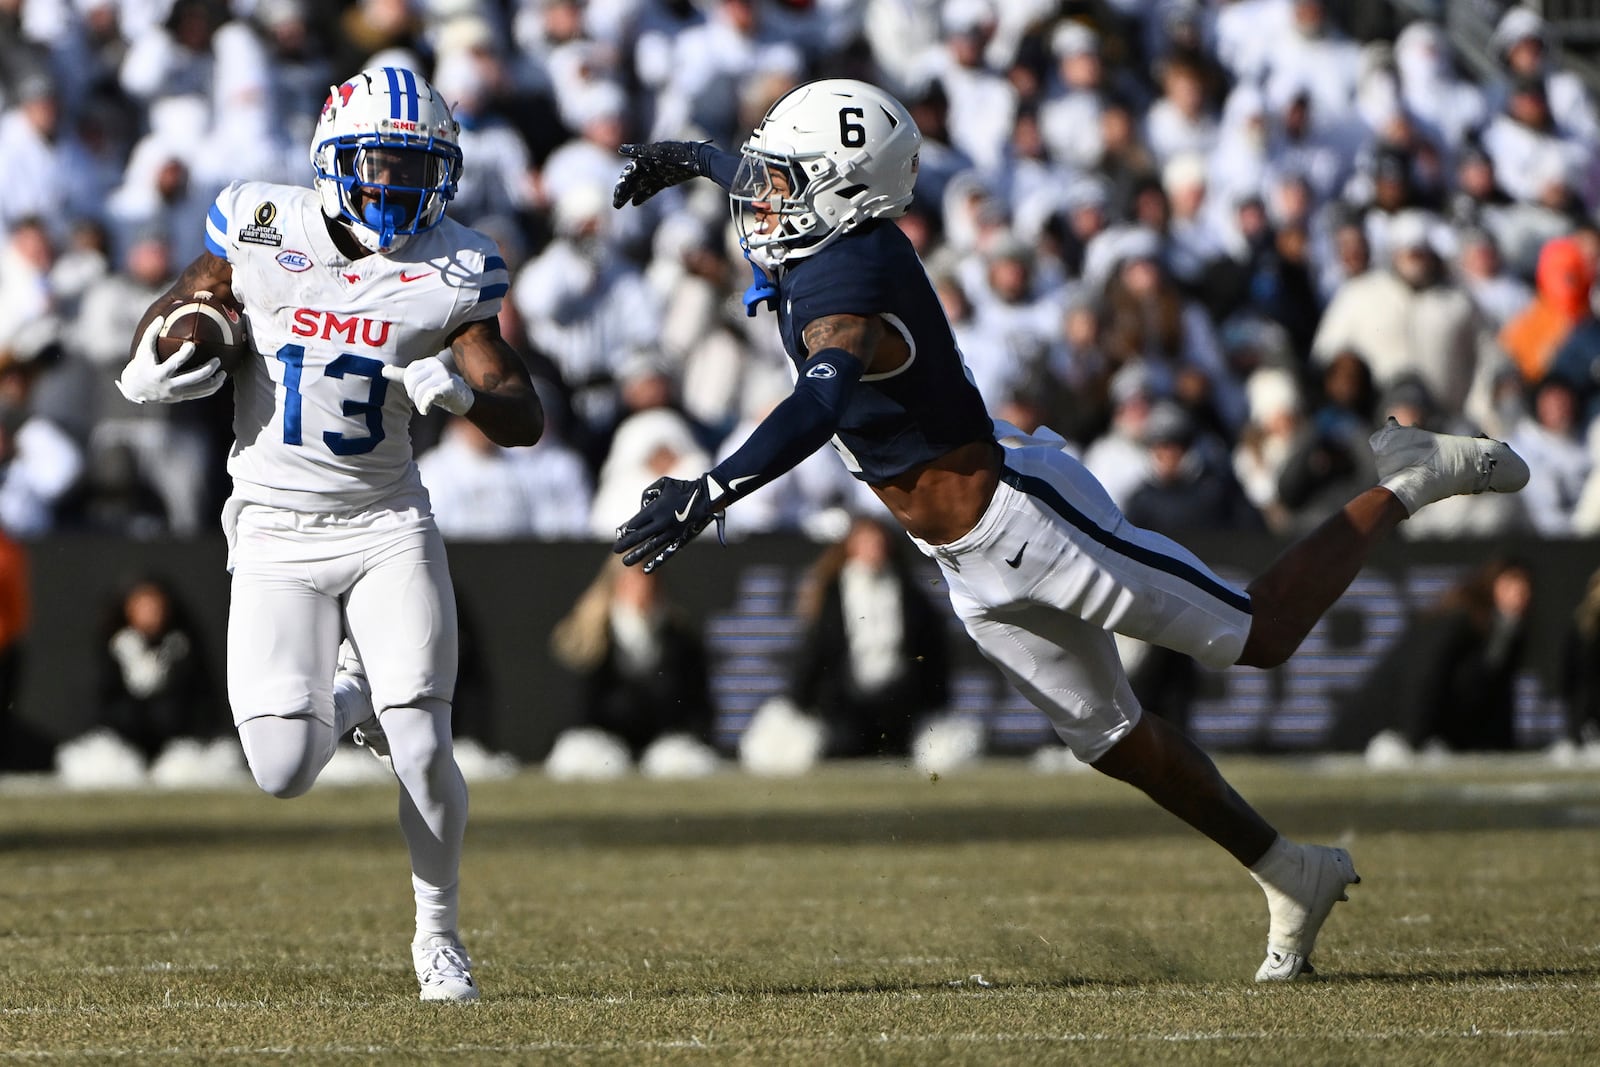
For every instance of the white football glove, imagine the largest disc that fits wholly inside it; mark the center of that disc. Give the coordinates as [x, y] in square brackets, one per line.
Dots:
[146, 381]
[429, 383]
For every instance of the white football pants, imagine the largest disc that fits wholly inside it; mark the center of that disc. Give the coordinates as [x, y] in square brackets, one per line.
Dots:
[1052, 569]
[302, 582]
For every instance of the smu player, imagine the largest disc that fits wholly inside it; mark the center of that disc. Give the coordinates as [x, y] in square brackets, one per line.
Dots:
[1041, 566]
[346, 288]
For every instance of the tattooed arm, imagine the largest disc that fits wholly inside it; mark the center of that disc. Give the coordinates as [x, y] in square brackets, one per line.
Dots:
[862, 336]
[207, 272]
[505, 406]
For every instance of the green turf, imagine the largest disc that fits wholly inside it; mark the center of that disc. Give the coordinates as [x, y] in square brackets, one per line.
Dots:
[861, 915]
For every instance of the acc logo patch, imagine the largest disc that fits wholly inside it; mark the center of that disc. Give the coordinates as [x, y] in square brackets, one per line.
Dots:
[262, 232]
[823, 370]
[291, 260]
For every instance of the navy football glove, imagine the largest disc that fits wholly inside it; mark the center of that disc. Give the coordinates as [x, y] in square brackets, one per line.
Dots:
[652, 168]
[671, 513]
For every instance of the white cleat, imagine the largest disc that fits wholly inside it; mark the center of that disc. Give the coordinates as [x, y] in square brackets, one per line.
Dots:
[1299, 902]
[444, 970]
[350, 677]
[370, 736]
[1420, 466]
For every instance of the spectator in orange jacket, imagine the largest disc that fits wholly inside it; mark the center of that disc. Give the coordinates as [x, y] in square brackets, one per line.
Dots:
[1563, 279]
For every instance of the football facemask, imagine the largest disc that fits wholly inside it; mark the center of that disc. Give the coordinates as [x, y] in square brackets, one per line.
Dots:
[386, 156]
[386, 187]
[770, 208]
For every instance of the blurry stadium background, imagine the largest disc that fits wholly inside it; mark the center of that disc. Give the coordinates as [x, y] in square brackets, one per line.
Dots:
[1250, 229]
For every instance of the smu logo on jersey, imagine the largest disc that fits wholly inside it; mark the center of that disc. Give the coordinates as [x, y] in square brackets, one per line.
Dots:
[373, 333]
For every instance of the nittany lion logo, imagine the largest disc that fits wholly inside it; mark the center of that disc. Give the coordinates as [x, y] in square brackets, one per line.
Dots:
[823, 370]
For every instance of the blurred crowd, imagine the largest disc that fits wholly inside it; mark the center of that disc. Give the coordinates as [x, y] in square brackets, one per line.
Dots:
[1212, 244]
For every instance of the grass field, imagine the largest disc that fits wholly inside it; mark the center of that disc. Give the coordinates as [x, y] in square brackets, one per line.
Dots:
[864, 914]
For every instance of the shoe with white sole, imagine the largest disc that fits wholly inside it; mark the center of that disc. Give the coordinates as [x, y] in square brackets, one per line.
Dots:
[1304, 884]
[1420, 466]
[370, 736]
[350, 690]
[444, 971]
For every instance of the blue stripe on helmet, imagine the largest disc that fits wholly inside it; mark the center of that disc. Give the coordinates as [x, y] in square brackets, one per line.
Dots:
[394, 91]
[411, 93]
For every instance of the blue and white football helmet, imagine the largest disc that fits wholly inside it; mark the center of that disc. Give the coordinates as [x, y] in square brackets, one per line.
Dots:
[387, 155]
[844, 152]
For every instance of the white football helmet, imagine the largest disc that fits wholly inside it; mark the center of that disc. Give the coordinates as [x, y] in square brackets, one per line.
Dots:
[387, 156]
[827, 157]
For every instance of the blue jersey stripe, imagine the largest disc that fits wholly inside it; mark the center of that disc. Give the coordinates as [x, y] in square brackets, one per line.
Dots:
[493, 263]
[1045, 492]
[216, 232]
[410, 79]
[490, 292]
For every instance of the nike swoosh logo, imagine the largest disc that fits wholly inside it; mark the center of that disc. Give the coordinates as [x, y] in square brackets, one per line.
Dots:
[414, 277]
[735, 483]
[684, 514]
[1016, 561]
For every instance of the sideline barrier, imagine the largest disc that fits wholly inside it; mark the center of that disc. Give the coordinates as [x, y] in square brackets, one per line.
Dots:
[516, 699]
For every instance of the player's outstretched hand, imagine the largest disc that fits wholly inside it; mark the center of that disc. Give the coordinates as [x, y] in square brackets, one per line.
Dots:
[148, 379]
[430, 384]
[671, 512]
[652, 168]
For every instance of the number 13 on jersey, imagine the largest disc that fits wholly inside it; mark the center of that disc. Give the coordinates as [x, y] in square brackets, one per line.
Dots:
[344, 365]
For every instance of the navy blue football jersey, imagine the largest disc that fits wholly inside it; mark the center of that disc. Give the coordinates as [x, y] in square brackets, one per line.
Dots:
[916, 413]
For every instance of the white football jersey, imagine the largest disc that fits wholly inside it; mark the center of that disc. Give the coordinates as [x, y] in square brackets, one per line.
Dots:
[316, 425]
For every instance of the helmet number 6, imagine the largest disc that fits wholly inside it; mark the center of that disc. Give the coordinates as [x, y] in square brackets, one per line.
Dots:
[852, 134]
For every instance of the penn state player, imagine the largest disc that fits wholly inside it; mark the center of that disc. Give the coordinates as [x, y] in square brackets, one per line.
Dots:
[347, 287]
[1041, 566]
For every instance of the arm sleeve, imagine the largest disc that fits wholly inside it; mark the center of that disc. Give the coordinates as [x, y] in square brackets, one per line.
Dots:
[716, 164]
[802, 423]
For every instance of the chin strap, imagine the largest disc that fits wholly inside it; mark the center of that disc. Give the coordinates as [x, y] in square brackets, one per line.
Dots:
[762, 289]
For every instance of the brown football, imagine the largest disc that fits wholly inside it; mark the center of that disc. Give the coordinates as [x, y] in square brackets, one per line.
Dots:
[215, 325]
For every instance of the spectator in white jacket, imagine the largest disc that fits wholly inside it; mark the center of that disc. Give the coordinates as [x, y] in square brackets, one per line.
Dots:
[709, 63]
[39, 461]
[1409, 318]
[650, 444]
[1551, 439]
[1534, 159]
[585, 305]
[482, 492]
[38, 181]
[1522, 42]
